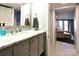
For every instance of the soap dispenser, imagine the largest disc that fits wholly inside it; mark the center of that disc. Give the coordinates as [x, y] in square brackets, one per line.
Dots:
[27, 20]
[35, 22]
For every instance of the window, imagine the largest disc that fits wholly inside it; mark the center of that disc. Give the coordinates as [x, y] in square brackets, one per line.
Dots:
[63, 25]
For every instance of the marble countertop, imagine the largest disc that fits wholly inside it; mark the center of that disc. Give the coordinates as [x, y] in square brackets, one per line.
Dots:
[16, 37]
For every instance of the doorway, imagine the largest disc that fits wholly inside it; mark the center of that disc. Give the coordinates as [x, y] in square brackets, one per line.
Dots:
[62, 23]
[65, 25]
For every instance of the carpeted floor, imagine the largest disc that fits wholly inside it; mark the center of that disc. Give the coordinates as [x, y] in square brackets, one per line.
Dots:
[66, 40]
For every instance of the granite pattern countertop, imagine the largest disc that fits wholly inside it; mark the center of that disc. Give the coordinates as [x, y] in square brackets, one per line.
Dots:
[16, 37]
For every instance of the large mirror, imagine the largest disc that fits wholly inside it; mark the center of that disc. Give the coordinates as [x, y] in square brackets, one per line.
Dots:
[15, 15]
[26, 15]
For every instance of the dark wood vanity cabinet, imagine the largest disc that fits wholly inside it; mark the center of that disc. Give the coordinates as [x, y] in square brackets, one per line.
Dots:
[33, 46]
[8, 51]
[41, 44]
[22, 48]
[37, 45]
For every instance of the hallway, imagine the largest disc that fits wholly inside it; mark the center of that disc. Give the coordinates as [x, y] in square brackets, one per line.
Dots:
[64, 49]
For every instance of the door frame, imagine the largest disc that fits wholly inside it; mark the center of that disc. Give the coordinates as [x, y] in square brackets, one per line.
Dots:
[53, 30]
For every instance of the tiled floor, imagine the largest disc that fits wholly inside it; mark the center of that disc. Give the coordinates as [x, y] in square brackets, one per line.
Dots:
[64, 49]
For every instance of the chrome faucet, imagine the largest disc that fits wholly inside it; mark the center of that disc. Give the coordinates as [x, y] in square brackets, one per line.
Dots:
[18, 29]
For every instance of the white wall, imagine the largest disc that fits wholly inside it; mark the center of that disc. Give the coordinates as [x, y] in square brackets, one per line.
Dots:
[7, 16]
[40, 9]
[42, 13]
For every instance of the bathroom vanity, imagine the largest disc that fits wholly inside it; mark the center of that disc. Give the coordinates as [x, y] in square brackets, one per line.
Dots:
[25, 43]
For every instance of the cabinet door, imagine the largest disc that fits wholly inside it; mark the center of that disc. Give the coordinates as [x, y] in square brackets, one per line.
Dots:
[22, 49]
[6, 52]
[34, 46]
[41, 44]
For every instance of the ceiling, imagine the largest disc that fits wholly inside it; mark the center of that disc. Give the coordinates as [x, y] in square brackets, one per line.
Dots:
[52, 5]
[63, 7]
[71, 9]
[60, 5]
[13, 5]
